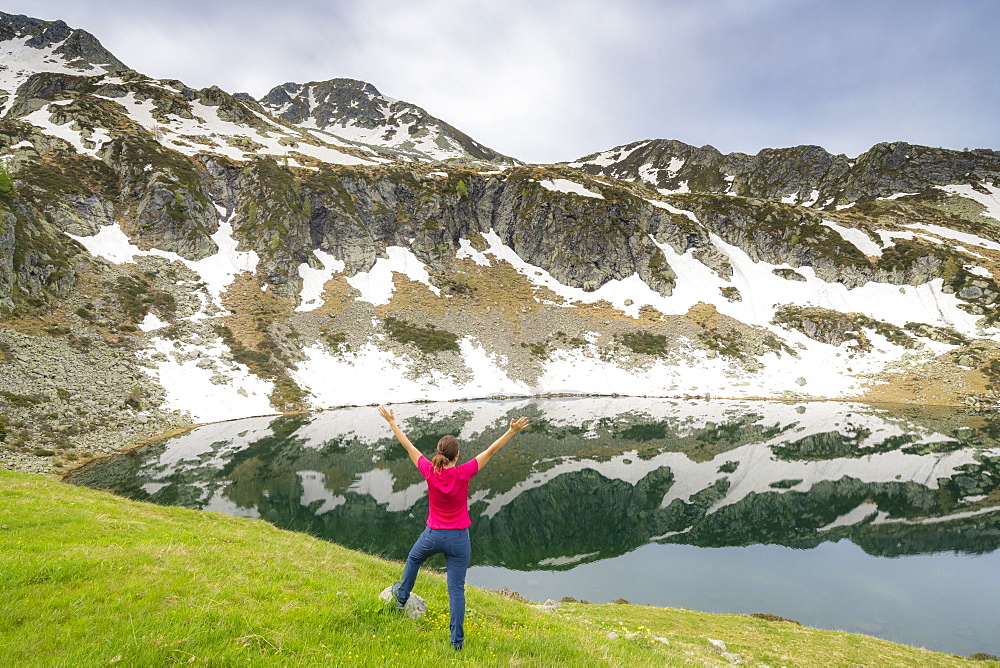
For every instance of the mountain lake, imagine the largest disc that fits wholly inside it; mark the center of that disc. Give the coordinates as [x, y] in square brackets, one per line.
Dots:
[882, 520]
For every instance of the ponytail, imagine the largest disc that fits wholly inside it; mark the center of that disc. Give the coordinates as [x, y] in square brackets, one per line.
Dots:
[447, 451]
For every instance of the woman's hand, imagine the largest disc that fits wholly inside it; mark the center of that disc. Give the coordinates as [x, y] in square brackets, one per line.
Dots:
[386, 414]
[518, 424]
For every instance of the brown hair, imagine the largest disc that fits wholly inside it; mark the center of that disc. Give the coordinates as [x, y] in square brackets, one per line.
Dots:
[447, 451]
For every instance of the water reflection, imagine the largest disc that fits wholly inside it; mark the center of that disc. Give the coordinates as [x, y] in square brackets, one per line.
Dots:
[594, 479]
[700, 473]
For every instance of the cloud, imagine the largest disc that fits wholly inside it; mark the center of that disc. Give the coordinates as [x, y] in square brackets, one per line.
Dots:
[555, 80]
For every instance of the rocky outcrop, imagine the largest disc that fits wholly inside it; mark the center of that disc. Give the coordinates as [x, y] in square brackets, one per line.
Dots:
[177, 216]
[803, 174]
[836, 328]
[230, 108]
[352, 214]
[35, 259]
[44, 87]
[898, 167]
[68, 393]
[674, 166]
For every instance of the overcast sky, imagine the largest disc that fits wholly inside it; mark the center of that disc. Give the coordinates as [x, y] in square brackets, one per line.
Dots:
[553, 80]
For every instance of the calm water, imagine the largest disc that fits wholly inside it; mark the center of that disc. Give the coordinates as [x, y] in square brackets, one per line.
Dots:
[879, 520]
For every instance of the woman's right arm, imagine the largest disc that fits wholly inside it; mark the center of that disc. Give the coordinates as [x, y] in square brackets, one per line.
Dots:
[515, 426]
[411, 450]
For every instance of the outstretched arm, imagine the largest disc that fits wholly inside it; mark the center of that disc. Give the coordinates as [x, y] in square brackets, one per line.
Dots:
[515, 426]
[411, 450]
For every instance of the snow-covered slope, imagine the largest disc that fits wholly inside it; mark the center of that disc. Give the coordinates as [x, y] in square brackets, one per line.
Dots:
[355, 112]
[342, 121]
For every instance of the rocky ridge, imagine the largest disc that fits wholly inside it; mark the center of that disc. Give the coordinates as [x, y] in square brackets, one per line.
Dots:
[236, 257]
[806, 175]
[355, 111]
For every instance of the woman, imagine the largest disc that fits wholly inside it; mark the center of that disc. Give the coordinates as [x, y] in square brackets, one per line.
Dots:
[447, 518]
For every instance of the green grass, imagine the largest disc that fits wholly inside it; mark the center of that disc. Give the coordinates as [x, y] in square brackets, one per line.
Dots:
[428, 339]
[645, 343]
[88, 578]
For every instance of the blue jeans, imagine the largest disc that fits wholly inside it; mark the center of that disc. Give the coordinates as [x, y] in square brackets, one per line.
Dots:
[457, 549]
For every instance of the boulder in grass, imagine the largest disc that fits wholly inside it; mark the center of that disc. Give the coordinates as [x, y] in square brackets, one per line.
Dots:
[717, 646]
[549, 605]
[415, 608]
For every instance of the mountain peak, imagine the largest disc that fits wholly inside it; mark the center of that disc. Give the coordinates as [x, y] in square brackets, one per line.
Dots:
[356, 112]
[78, 48]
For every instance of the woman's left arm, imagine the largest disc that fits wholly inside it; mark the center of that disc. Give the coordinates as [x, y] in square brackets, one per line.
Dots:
[411, 450]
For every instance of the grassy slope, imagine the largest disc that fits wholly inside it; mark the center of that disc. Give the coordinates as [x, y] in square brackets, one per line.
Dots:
[87, 578]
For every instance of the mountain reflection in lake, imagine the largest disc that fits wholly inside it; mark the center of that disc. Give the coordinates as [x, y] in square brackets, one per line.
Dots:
[728, 506]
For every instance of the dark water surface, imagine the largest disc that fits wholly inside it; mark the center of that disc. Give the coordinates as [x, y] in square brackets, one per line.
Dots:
[882, 520]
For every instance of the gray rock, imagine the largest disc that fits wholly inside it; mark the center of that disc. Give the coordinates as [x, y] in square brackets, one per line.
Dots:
[549, 605]
[179, 215]
[716, 646]
[612, 635]
[732, 658]
[415, 608]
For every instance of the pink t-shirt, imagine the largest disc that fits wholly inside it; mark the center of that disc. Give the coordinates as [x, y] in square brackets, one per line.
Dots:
[448, 490]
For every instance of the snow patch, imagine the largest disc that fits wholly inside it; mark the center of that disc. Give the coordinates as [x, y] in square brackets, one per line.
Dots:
[949, 233]
[466, 251]
[569, 187]
[565, 561]
[859, 514]
[151, 323]
[42, 118]
[991, 200]
[379, 483]
[376, 285]
[190, 388]
[216, 271]
[672, 209]
[368, 375]
[980, 271]
[314, 490]
[313, 280]
[681, 188]
[857, 238]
